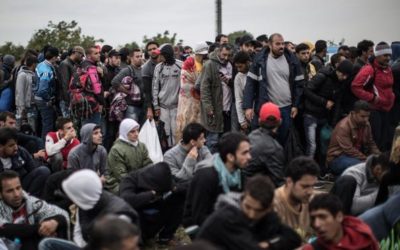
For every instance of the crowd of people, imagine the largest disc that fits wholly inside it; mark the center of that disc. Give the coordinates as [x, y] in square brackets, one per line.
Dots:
[252, 132]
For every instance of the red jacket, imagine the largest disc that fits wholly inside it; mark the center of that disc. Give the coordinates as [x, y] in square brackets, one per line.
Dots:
[356, 235]
[381, 96]
[64, 151]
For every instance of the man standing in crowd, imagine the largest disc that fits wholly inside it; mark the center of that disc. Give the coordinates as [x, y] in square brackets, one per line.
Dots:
[66, 71]
[90, 154]
[166, 84]
[317, 60]
[351, 140]
[26, 217]
[303, 54]
[275, 76]
[216, 97]
[291, 200]
[44, 91]
[334, 230]
[247, 221]
[221, 39]
[374, 84]
[365, 51]
[148, 73]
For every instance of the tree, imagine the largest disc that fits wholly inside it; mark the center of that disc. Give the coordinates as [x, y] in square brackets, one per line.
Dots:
[12, 49]
[234, 35]
[62, 35]
[163, 38]
[131, 46]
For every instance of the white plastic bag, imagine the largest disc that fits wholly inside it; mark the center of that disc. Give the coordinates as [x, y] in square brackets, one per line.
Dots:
[149, 136]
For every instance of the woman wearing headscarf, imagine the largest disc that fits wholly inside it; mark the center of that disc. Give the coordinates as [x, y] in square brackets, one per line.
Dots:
[127, 154]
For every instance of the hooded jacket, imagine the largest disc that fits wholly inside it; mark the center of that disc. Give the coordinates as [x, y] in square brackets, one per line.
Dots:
[267, 156]
[47, 80]
[380, 96]
[356, 235]
[26, 80]
[229, 228]
[136, 188]
[84, 156]
[256, 90]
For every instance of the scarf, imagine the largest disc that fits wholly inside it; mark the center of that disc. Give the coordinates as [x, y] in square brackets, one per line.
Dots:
[226, 179]
[125, 127]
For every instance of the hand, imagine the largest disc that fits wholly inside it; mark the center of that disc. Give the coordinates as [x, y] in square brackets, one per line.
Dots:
[244, 126]
[329, 105]
[70, 134]
[103, 179]
[263, 245]
[150, 114]
[157, 113]
[100, 70]
[293, 113]
[193, 153]
[106, 94]
[40, 154]
[224, 78]
[48, 228]
[249, 113]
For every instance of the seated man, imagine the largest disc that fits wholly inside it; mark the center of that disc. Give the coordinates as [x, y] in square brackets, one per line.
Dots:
[127, 154]
[291, 200]
[267, 156]
[33, 144]
[151, 193]
[16, 158]
[60, 143]
[336, 231]
[351, 140]
[93, 203]
[358, 186]
[25, 217]
[247, 221]
[183, 157]
[216, 175]
[90, 154]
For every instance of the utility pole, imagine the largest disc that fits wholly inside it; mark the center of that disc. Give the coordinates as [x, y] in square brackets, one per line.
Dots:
[218, 13]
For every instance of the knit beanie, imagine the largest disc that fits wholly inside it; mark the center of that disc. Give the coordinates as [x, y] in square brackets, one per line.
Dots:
[382, 49]
[345, 67]
[84, 188]
[9, 60]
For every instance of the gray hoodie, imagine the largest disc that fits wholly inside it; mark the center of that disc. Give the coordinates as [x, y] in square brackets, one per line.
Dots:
[84, 156]
[166, 85]
[23, 88]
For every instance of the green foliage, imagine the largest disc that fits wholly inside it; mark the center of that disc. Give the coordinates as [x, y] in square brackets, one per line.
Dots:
[163, 38]
[62, 35]
[12, 49]
[232, 36]
[131, 46]
[392, 242]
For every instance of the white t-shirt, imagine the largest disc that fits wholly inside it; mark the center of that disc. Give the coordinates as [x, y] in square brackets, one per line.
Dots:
[7, 164]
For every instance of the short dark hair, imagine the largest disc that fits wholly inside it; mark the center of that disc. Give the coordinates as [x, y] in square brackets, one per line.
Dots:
[7, 134]
[326, 201]
[110, 231]
[271, 37]
[262, 38]
[132, 52]
[61, 121]
[381, 159]
[5, 114]
[361, 105]
[260, 188]
[343, 47]
[226, 46]
[51, 52]
[229, 143]
[192, 131]
[301, 47]
[106, 48]
[31, 60]
[241, 57]
[335, 59]
[301, 166]
[353, 52]
[90, 48]
[7, 175]
[320, 46]
[218, 37]
[150, 43]
[364, 45]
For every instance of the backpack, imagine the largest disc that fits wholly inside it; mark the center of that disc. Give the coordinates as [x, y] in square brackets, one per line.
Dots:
[83, 102]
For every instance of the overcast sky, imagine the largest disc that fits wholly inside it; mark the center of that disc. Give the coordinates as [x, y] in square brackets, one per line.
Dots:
[122, 21]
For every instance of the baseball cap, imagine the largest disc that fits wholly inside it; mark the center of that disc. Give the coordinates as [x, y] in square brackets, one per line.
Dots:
[201, 48]
[269, 110]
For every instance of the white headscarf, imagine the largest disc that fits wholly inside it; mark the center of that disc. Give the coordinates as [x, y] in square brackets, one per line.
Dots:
[125, 127]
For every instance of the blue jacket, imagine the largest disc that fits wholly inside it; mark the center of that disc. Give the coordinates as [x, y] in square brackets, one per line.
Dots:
[45, 88]
[255, 91]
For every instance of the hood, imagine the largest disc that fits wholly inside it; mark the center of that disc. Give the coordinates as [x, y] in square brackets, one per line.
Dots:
[327, 70]
[156, 177]
[26, 70]
[79, 192]
[124, 128]
[87, 134]
[231, 199]
[395, 51]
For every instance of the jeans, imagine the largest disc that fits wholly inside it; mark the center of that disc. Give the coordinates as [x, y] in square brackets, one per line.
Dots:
[212, 141]
[32, 116]
[135, 113]
[285, 125]
[47, 115]
[311, 125]
[168, 116]
[34, 181]
[57, 244]
[64, 107]
[95, 118]
[341, 163]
